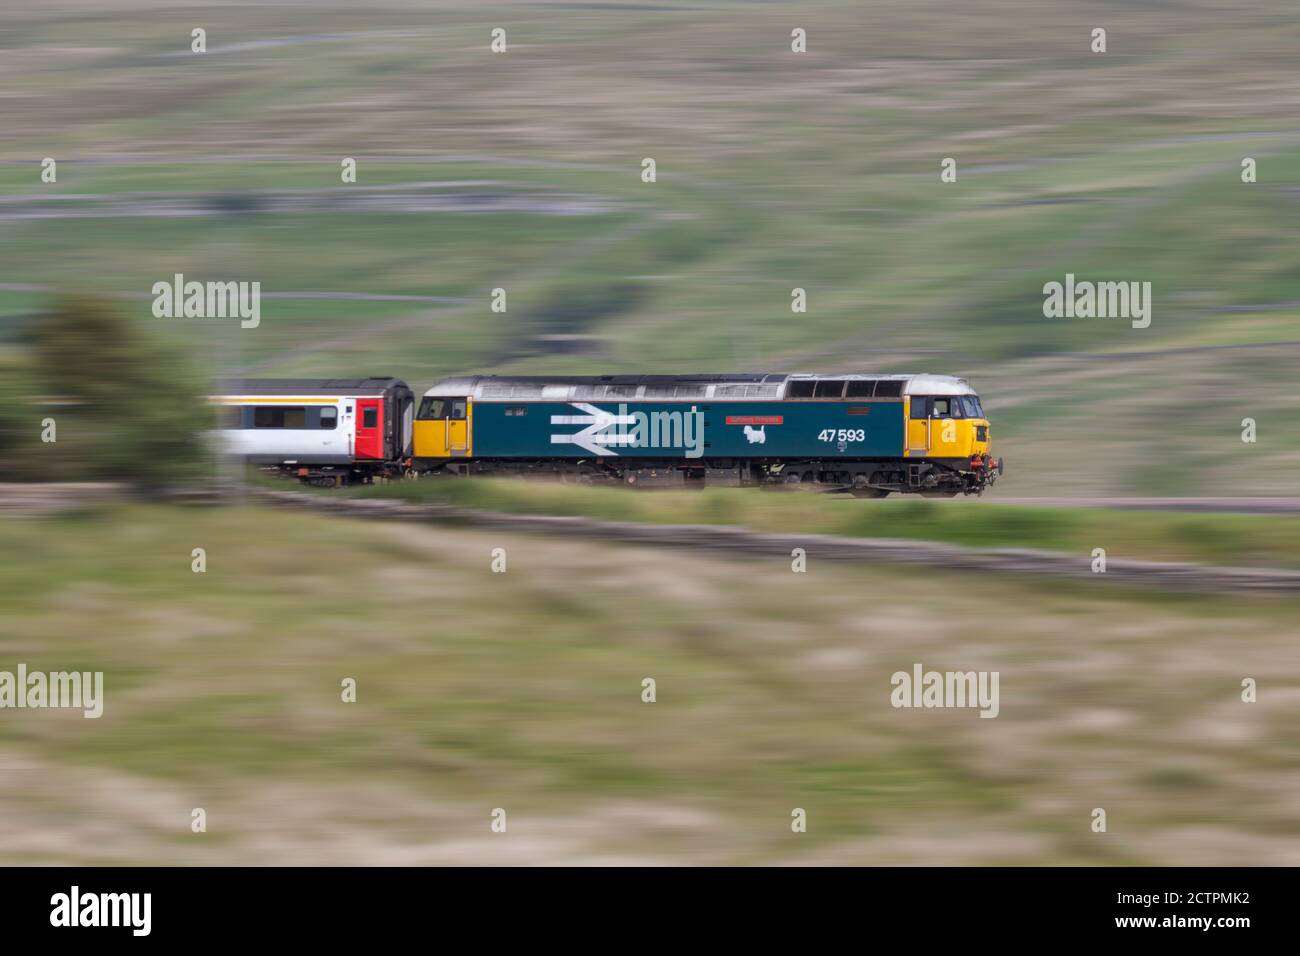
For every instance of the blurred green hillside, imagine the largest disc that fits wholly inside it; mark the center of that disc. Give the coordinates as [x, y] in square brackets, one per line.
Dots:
[775, 171]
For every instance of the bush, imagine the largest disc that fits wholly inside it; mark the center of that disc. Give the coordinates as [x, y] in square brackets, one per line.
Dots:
[126, 405]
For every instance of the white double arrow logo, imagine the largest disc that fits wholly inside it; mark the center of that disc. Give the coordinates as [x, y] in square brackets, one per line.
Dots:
[596, 420]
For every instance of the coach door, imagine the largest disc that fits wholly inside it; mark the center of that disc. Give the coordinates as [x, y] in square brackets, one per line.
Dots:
[370, 429]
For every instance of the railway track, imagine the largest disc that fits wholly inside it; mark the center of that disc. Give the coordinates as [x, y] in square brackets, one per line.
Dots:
[45, 499]
[819, 547]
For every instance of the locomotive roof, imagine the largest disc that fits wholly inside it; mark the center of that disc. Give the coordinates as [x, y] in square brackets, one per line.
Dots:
[474, 385]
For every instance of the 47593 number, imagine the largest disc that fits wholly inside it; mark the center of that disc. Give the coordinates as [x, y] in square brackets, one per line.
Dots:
[842, 434]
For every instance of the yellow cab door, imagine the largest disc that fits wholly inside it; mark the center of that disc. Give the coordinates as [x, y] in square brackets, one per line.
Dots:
[918, 427]
[458, 428]
[443, 428]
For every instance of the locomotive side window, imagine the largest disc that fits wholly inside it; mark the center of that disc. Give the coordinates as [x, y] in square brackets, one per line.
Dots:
[889, 388]
[860, 389]
[329, 418]
[800, 389]
[831, 389]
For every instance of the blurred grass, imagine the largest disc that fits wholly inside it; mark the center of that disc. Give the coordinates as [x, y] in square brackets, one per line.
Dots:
[522, 690]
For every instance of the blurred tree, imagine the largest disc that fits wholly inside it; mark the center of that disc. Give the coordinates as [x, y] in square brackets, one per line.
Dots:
[126, 405]
[20, 420]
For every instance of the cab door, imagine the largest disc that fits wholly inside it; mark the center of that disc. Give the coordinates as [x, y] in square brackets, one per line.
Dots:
[458, 427]
[918, 427]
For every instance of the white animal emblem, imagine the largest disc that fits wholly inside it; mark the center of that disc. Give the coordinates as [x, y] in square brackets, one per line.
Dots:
[756, 436]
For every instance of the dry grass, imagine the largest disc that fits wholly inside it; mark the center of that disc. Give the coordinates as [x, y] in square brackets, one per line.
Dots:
[521, 690]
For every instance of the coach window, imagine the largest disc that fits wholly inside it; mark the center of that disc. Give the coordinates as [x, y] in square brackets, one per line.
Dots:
[370, 418]
[329, 418]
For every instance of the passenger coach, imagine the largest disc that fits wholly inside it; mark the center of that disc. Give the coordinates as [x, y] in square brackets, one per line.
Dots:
[868, 434]
[324, 431]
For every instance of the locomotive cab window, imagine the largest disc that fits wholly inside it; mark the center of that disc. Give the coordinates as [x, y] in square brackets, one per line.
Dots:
[937, 406]
[436, 409]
